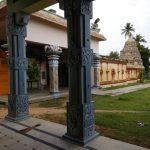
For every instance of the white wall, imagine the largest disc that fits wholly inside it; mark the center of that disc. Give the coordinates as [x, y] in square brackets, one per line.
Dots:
[42, 32]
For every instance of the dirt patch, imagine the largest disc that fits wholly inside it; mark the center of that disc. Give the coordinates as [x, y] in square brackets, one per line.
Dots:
[40, 111]
[35, 111]
[3, 112]
[57, 118]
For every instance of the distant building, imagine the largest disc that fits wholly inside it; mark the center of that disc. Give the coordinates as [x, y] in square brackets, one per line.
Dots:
[124, 70]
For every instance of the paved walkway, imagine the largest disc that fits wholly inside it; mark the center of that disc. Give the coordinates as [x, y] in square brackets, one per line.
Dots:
[37, 96]
[48, 136]
[120, 91]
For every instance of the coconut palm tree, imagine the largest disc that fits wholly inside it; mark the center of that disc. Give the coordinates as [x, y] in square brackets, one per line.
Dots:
[139, 39]
[128, 29]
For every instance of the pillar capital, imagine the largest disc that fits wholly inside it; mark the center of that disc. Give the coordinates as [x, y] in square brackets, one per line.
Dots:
[79, 7]
[16, 23]
[52, 50]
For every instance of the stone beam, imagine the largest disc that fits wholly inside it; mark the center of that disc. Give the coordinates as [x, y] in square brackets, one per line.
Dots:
[31, 6]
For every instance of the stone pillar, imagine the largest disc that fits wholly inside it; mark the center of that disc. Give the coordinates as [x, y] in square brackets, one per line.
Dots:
[96, 70]
[43, 75]
[80, 113]
[53, 53]
[18, 103]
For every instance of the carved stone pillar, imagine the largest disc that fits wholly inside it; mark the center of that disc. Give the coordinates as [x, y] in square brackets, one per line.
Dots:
[18, 103]
[80, 113]
[43, 75]
[96, 70]
[53, 53]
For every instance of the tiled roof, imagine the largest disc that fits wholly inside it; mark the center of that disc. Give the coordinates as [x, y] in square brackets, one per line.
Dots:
[54, 19]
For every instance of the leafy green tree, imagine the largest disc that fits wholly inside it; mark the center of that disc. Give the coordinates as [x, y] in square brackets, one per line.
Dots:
[128, 30]
[141, 76]
[32, 72]
[139, 39]
[114, 55]
[145, 55]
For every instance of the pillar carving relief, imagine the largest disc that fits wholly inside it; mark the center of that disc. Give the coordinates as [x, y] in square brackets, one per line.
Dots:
[18, 103]
[53, 54]
[96, 70]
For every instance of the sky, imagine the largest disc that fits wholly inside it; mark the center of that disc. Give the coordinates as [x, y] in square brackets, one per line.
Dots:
[114, 14]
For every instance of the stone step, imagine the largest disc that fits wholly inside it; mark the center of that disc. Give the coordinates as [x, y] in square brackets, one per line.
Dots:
[48, 136]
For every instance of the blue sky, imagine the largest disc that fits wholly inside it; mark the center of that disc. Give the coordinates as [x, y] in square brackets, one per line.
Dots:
[114, 14]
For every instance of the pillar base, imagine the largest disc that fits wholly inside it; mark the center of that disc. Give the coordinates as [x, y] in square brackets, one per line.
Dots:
[55, 94]
[78, 141]
[17, 119]
[96, 87]
[80, 123]
[18, 107]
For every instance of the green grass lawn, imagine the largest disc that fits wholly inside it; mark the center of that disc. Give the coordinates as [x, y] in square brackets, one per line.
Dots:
[139, 100]
[121, 126]
[125, 126]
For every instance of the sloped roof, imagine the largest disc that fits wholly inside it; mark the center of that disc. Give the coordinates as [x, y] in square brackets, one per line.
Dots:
[131, 53]
[51, 18]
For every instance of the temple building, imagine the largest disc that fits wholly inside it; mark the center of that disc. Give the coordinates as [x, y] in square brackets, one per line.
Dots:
[124, 70]
[46, 42]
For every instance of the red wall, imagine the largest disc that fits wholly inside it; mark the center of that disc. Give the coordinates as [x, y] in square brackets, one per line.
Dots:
[4, 74]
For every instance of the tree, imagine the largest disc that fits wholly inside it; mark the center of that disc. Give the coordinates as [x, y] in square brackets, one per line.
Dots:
[33, 72]
[145, 55]
[127, 30]
[139, 39]
[114, 55]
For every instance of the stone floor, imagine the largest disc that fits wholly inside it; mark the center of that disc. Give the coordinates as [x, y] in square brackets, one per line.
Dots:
[36, 95]
[120, 91]
[48, 137]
